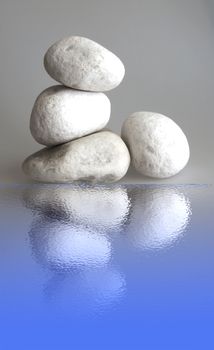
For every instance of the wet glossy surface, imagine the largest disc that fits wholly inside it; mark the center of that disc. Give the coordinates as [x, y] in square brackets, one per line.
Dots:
[106, 267]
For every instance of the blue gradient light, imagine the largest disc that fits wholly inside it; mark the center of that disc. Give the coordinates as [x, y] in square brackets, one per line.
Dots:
[108, 267]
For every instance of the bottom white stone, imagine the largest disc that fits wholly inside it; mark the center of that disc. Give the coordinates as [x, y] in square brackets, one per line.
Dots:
[99, 157]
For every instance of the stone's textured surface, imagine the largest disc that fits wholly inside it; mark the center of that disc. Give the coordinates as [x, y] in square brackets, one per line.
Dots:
[101, 207]
[100, 157]
[61, 114]
[81, 63]
[157, 145]
[159, 217]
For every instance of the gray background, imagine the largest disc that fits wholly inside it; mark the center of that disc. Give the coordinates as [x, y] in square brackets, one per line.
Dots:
[167, 47]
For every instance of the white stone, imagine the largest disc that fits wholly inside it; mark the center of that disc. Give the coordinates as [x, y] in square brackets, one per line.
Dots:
[60, 246]
[81, 63]
[101, 207]
[61, 114]
[157, 145]
[159, 217]
[99, 157]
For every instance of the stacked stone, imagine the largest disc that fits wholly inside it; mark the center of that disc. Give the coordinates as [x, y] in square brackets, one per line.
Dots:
[69, 118]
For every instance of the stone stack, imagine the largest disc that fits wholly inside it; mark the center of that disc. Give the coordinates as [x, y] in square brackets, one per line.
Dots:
[69, 118]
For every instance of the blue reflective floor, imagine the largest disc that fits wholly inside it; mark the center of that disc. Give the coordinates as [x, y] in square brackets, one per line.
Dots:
[106, 267]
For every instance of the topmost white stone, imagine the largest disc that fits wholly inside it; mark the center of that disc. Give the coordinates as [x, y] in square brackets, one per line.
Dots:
[83, 64]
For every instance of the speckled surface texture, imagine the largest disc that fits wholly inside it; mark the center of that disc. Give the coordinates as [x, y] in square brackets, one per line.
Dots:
[157, 145]
[81, 63]
[61, 114]
[99, 157]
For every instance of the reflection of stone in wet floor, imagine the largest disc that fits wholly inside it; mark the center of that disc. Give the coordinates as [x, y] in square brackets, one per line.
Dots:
[69, 239]
[158, 216]
[100, 207]
[89, 292]
[62, 247]
[70, 236]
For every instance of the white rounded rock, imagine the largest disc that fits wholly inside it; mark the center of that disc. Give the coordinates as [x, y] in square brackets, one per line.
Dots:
[157, 145]
[99, 157]
[83, 64]
[61, 114]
